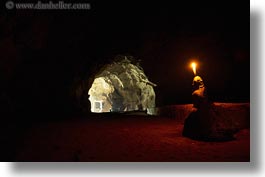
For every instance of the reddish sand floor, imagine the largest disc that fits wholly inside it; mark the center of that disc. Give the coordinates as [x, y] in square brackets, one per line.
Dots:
[125, 138]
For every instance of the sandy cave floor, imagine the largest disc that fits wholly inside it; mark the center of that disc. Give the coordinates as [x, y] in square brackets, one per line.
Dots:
[130, 138]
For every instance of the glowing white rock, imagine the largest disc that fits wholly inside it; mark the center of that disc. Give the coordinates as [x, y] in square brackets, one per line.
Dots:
[120, 87]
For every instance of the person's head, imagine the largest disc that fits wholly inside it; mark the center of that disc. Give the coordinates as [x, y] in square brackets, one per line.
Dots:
[197, 82]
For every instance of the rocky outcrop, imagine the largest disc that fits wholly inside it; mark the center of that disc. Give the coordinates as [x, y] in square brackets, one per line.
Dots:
[122, 86]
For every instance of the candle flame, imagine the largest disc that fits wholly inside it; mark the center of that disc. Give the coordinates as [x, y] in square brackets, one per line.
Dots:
[193, 65]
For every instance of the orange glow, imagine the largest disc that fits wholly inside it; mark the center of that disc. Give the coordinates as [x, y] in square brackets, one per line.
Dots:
[193, 65]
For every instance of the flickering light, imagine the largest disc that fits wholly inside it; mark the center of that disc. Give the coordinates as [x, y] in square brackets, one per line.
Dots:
[193, 65]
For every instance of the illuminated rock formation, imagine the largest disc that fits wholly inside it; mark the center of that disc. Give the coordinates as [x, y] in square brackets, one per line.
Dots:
[120, 87]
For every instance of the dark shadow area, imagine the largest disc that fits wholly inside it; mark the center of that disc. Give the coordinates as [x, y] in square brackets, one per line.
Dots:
[49, 60]
[201, 131]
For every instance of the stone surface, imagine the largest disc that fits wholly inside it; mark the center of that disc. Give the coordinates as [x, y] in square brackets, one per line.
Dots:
[122, 86]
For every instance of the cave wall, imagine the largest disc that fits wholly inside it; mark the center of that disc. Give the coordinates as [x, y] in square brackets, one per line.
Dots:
[122, 86]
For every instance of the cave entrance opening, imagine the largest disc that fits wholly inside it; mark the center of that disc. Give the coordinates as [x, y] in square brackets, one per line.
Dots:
[121, 87]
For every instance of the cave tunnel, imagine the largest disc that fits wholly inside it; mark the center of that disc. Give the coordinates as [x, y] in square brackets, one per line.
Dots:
[122, 87]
